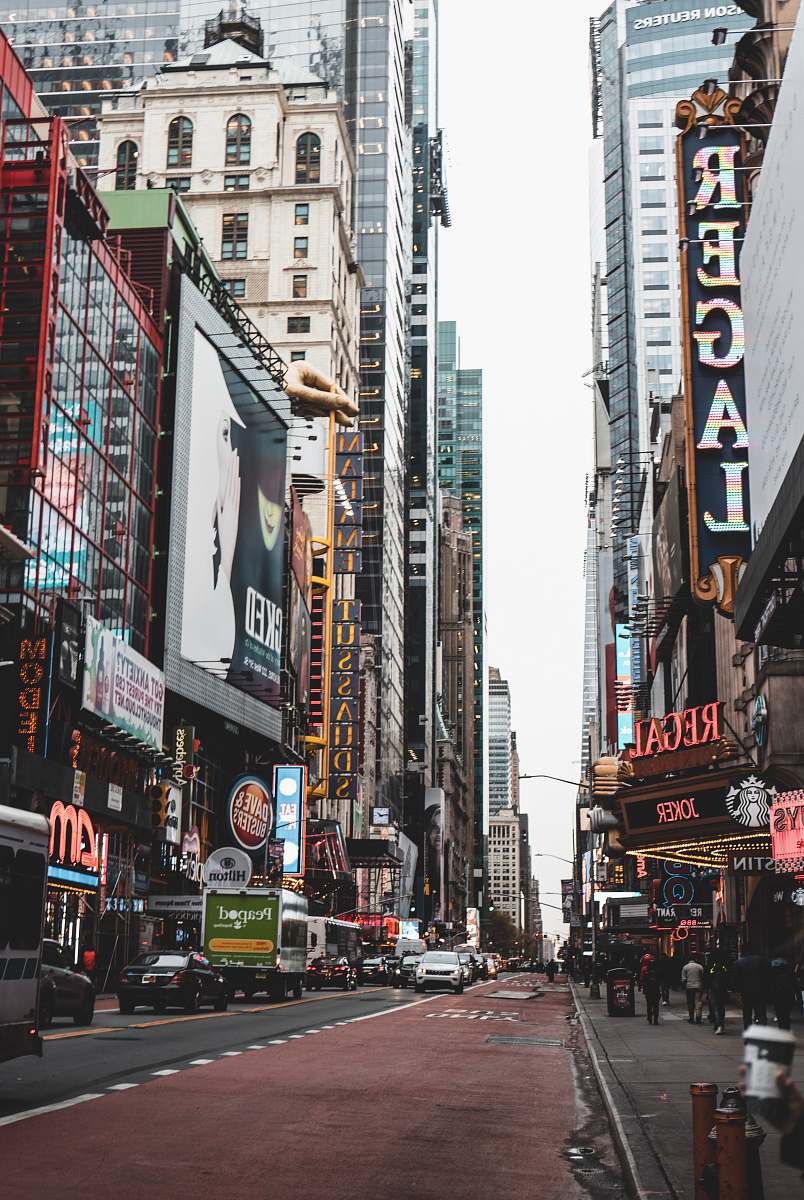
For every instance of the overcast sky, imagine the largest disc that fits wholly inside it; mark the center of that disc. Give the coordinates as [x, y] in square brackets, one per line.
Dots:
[514, 274]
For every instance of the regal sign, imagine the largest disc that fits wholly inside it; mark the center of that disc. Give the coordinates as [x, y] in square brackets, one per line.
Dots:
[712, 220]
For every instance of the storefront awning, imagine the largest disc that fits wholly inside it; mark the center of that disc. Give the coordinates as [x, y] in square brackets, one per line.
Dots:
[374, 852]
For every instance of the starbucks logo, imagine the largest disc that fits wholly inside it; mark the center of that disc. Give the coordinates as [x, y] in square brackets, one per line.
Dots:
[748, 802]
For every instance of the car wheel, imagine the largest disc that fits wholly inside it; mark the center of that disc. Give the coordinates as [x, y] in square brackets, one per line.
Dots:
[126, 1006]
[297, 990]
[318, 987]
[193, 1002]
[459, 988]
[222, 1003]
[87, 1010]
[46, 1006]
[159, 1006]
[419, 987]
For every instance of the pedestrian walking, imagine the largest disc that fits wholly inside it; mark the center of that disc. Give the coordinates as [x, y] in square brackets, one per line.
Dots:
[692, 980]
[751, 981]
[783, 990]
[650, 983]
[716, 983]
[665, 973]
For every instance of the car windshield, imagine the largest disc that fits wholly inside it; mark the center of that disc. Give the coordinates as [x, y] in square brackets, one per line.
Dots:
[160, 960]
[440, 956]
[410, 960]
[372, 962]
[465, 957]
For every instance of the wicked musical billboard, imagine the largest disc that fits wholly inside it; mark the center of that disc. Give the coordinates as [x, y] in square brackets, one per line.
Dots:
[228, 513]
[712, 221]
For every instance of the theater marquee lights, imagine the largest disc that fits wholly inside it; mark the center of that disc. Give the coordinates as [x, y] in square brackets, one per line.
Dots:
[712, 221]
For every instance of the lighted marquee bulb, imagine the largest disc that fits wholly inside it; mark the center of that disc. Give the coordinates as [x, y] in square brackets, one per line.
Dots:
[706, 338]
[724, 414]
[723, 176]
[735, 511]
[722, 249]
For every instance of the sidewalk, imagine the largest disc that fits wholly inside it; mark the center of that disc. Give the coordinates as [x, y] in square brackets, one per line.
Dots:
[645, 1072]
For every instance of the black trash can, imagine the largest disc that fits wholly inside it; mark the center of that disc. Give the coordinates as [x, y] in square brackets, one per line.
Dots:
[620, 993]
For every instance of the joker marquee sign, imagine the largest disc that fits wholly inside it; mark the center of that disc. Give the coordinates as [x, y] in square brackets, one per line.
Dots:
[712, 221]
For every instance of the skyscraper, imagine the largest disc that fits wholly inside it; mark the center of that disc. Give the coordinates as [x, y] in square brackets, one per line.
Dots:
[500, 790]
[645, 57]
[429, 211]
[460, 471]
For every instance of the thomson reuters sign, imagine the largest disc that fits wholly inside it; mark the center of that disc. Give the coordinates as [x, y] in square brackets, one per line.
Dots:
[251, 812]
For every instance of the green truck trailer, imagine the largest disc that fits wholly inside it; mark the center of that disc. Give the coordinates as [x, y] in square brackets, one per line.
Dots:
[257, 938]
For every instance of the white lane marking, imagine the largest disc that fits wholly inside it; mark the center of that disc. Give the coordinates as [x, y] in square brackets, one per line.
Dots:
[49, 1108]
[200, 1062]
[312, 1031]
[231, 1053]
[278, 1042]
[167, 1071]
[387, 1011]
[341, 1022]
[327, 1026]
[295, 1036]
[255, 1047]
[121, 1087]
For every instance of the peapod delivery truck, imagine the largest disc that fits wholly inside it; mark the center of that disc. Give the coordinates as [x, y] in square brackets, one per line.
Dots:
[257, 939]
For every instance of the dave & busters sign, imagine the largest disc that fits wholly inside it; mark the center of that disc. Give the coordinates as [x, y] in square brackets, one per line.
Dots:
[251, 813]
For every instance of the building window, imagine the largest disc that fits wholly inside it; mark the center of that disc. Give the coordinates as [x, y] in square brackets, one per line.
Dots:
[302, 216]
[234, 241]
[651, 145]
[236, 183]
[235, 287]
[180, 142]
[650, 118]
[238, 140]
[652, 198]
[651, 170]
[298, 324]
[297, 356]
[308, 158]
[179, 183]
[299, 287]
[300, 247]
[125, 176]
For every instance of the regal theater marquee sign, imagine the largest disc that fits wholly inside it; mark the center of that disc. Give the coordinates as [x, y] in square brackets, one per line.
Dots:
[712, 220]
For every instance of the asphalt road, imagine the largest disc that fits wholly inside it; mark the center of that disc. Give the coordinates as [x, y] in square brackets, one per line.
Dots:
[117, 1049]
[336, 1097]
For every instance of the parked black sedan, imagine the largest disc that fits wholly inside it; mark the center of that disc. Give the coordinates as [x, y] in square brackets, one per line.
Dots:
[165, 979]
[63, 990]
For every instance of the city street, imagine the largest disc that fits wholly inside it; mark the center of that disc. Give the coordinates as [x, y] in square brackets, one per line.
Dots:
[482, 1094]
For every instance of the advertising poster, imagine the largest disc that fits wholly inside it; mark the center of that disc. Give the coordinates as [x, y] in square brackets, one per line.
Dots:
[251, 813]
[300, 633]
[234, 545]
[473, 927]
[241, 930]
[289, 787]
[122, 687]
[410, 858]
[434, 848]
[68, 642]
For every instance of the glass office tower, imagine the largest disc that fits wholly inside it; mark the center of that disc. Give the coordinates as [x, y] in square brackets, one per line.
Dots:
[460, 471]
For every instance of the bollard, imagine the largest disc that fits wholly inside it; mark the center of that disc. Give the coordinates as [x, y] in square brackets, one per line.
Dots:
[730, 1153]
[754, 1137]
[704, 1103]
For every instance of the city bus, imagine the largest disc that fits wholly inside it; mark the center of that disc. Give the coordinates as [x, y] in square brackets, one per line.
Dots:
[24, 852]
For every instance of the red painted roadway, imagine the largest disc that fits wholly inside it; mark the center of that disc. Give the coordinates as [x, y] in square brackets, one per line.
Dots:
[413, 1103]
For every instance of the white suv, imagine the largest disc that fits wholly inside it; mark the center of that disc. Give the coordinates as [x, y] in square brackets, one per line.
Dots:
[440, 969]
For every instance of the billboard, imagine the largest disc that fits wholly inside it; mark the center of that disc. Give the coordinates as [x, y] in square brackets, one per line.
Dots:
[773, 292]
[234, 548]
[122, 687]
[668, 544]
[225, 621]
[251, 813]
[434, 850]
[712, 222]
[473, 927]
[289, 791]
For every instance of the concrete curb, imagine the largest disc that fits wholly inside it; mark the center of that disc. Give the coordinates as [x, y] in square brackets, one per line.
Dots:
[644, 1173]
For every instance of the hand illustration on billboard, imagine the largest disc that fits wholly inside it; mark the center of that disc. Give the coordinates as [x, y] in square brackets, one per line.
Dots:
[315, 395]
[227, 501]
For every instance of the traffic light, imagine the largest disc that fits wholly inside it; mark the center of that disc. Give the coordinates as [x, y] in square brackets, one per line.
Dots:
[605, 778]
[160, 804]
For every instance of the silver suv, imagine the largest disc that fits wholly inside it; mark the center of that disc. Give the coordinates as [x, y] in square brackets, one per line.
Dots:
[440, 969]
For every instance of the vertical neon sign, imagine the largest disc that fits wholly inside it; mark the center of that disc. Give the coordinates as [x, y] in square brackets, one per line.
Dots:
[712, 220]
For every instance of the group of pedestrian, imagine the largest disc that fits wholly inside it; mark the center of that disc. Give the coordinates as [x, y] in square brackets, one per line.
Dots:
[757, 981]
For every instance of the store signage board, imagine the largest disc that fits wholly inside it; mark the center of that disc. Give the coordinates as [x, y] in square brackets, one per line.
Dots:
[712, 222]
[787, 830]
[743, 803]
[122, 687]
[251, 813]
[677, 730]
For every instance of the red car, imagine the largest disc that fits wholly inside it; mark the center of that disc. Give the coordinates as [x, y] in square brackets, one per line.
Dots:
[331, 972]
